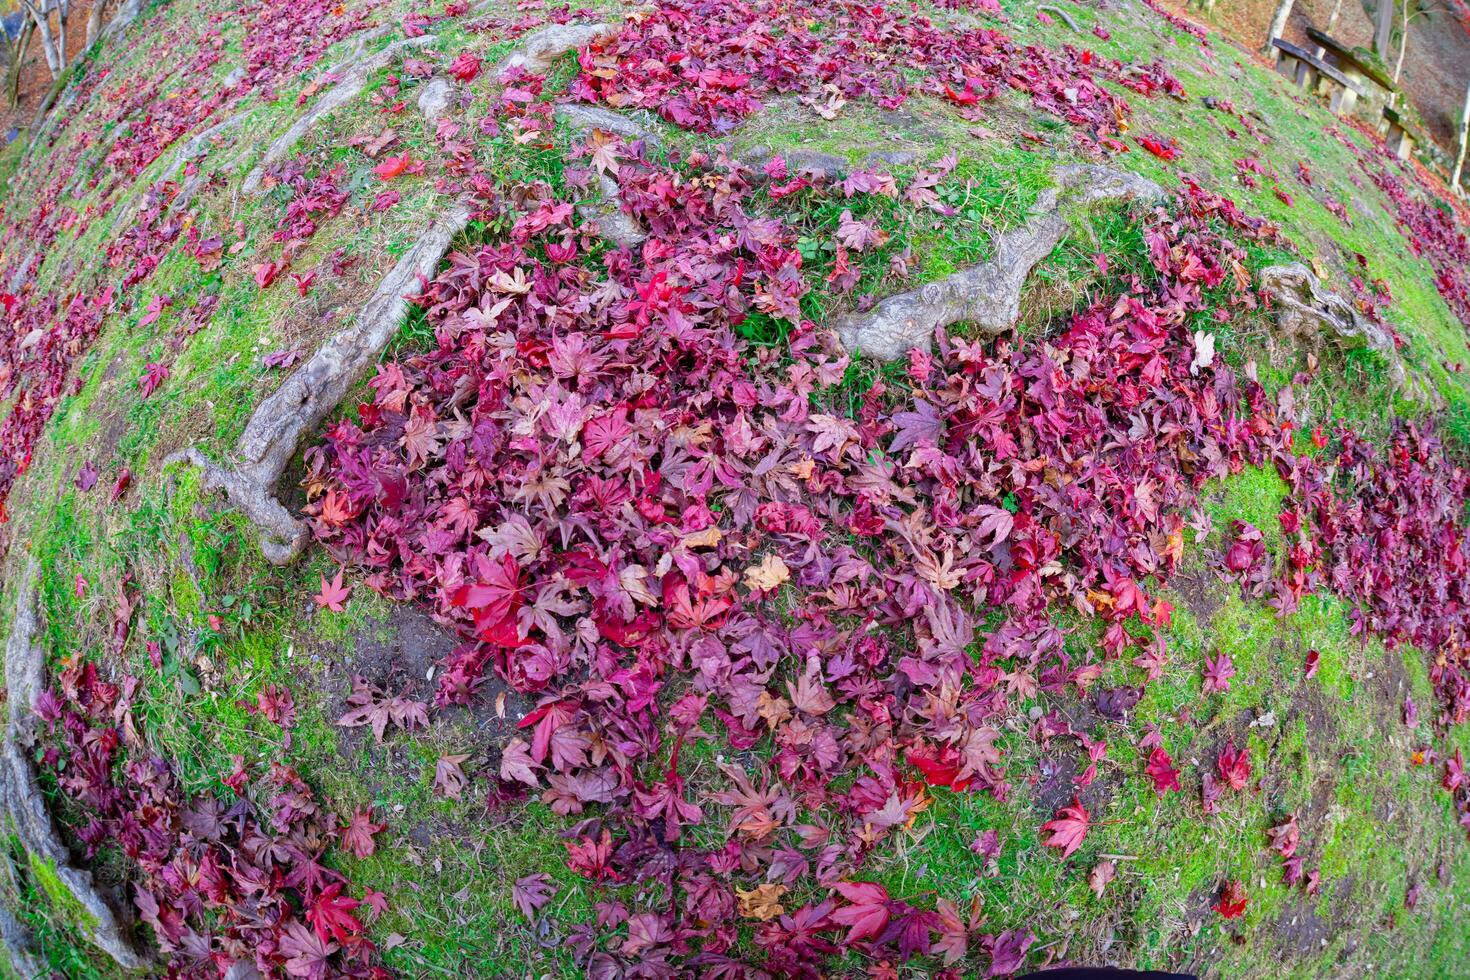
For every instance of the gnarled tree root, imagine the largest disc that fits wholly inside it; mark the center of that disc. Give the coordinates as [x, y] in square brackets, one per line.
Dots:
[355, 73]
[615, 224]
[1299, 297]
[26, 816]
[543, 47]
[988, 295]
[303, 401]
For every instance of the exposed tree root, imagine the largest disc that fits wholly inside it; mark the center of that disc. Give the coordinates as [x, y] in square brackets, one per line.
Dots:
[355, 74]
[27, 818]
[615, 224]
[988, 296]
[543, 47]
[19, 947]
[279, 423]
[1066, 17]
[1306, 310]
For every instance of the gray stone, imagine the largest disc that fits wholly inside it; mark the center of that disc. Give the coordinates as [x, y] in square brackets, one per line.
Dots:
[543, 47]
[435, 98]
[616, 225]
[279, 423]
[988, 295]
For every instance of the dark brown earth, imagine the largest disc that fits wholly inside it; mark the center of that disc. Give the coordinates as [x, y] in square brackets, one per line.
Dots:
[1436, 67]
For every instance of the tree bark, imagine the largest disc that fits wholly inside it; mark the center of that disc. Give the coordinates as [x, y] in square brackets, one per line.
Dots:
[62, 9]
[18, 49]
[1278, 22]
[94, 22]
[1383, 28]
[1332, 17]
[1464, 134]
[1398, 67]
[42, 20]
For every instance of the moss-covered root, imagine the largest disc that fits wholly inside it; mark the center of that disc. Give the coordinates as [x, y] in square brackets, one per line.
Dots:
[275, 430]
[988, 295]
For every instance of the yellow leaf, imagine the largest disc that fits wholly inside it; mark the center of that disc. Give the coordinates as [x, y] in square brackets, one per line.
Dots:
[762, 902]
[769, 574]
[707, 538]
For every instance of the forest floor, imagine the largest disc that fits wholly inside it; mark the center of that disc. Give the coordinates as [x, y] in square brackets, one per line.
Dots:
[875, 716]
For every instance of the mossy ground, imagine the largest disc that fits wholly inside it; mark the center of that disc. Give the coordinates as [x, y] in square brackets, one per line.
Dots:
[1330, 749]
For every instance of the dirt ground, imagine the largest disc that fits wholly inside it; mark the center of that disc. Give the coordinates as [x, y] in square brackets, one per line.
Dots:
[1436, 67]
[35, 79]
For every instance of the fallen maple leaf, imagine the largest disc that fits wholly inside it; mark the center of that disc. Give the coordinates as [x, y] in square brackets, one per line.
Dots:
[333, 595]
[868, 913]
[393, 166]
[1098, 878]
[465, 67]
[1162, 771]
[1218, 672]
[449, 778]
[331, 914]
[762, 902]
[532, 892]
[357, 833]
[1068, 828]
[1234, 766]
[1232, 901]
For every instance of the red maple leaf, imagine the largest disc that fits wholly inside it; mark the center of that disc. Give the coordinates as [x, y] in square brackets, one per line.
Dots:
[153, 376]
[393, 166]
[333, 594]
[868, 914]
[331, 915]
[1454, 772]
[1068, 828]
[493, 600]
[1232, 901]
[1160, 149]
[465, 67]
[357, 833]
[1234, 766]
[1162, 771]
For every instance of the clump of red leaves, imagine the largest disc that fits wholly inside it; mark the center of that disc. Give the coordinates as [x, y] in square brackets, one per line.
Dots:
[707, 64]
[599, 485]
[219, 881]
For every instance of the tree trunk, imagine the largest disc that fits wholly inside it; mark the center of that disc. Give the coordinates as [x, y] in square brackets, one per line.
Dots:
[43, 30]
[1383, 28]
[1332, 17]
[62, 9]
[1398, 67]
[94, 22]
[18, 50]
[1464, 134]
[1278, 22]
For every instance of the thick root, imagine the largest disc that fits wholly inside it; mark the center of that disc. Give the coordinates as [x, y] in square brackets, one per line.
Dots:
[354, 77]
[988, 296]
[299, 406]
[28, 819]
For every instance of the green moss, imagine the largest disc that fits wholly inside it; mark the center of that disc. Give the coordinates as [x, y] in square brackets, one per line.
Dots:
[64, 905]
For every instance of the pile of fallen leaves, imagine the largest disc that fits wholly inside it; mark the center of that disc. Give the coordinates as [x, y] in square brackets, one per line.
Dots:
[219, 881]
[657, 529]
[707, 64]
[660, 531]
